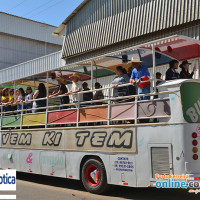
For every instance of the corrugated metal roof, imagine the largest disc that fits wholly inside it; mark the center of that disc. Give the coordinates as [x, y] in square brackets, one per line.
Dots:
[18, 26]
[61, 29]
[101, 23]
[31, 68]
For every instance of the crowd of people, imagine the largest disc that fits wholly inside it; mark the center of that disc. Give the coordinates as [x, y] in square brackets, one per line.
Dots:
[137, 74]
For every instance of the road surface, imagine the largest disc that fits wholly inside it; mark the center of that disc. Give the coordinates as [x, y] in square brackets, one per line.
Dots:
[36, 187]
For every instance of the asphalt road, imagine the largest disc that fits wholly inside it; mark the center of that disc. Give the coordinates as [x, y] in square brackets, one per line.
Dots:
[36, 187]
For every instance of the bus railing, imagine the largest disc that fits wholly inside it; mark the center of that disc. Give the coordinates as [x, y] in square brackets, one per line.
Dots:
[109, 101]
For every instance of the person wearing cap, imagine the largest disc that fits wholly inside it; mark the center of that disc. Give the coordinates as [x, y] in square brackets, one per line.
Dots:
[185, 70]
[140, 73]
[76, 87]
[61, 91]
[171, 73]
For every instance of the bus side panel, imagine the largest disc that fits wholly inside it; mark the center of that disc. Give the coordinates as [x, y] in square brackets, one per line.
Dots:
[73, 163]
[160, 150]
[10, 159]
[123, 170]
[30, 161]
[53, 163]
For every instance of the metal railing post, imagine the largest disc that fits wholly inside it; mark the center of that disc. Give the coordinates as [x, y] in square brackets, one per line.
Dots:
[92, 74]
[47, 104]
[21, 115]
[78, 107]
[136, 109]
[109, 107]
[154, 66]
[1, 116]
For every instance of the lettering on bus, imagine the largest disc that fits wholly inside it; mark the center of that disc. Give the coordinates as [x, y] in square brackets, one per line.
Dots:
[52, 138]
[194, 112]
[16, 138]
[99, 139]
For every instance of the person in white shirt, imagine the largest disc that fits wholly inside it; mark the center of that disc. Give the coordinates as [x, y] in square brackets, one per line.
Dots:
[76, 87]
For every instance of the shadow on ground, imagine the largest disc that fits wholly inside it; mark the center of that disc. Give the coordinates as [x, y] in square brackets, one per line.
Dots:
[115, 191]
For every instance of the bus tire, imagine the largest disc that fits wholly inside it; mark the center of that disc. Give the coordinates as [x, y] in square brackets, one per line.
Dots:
[93, 175]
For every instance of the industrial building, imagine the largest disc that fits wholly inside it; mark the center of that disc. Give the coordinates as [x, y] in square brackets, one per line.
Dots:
[22, 40]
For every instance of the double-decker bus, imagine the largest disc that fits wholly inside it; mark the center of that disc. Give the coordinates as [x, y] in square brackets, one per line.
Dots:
[116, 140]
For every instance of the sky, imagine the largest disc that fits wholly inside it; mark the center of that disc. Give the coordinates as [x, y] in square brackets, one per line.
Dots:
[52, 12]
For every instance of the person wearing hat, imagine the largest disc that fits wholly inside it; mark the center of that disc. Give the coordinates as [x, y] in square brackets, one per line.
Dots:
[76, 87]
[171, 73]
[140, 73]
[185, 70]
[61, 91]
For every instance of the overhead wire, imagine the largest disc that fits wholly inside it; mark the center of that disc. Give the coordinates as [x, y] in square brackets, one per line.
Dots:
[45, 9]
[50, 7]
[16, 6]
[31, 11]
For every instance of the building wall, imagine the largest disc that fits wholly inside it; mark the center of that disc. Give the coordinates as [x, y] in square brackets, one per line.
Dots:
[15, 50]
[18, 26]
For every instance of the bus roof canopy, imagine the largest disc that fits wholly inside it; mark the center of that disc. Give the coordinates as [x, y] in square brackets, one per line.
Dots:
[174, 47]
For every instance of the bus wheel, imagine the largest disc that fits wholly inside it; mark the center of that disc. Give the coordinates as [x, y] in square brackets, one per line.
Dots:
[94, 176]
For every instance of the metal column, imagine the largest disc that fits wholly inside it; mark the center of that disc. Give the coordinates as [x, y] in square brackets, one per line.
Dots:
[92, 74]
[47, 104]
[154, 66]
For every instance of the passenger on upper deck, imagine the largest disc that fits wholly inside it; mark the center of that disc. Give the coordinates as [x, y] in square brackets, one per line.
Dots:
[0, 96]
[185, 70]
[20, 98]
[140, 73]
[120, 79]
[5, 100]
[158, 80]
[76, 87]
[98, 94]
[87, 96]
[40, 93]
[61, 91]
[132, 88]
[12, 100]
[171, 73]
[28, 97]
